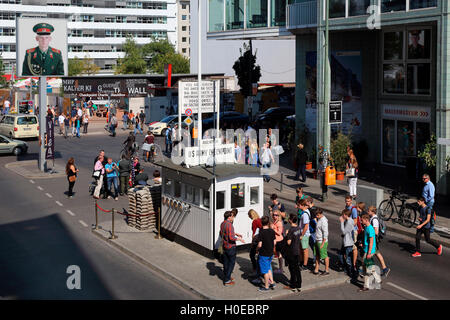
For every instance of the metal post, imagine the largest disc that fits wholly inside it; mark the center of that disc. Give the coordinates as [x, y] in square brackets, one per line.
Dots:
[96, 216]
[159, 225]
[113, 236]
[42, 123]
[281, 182]
[199, 118]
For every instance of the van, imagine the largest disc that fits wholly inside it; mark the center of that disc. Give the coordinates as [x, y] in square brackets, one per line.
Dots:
[19, 126]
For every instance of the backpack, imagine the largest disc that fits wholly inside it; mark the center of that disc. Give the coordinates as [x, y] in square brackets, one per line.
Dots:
[358, 222]
[381, 229]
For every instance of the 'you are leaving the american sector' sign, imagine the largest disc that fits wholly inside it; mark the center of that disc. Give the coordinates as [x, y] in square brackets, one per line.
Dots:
[188, 95]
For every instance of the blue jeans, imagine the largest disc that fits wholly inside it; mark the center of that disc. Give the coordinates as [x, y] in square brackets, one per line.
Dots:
[348, 251]
[78, 131]
[113, 130]
[266, 177]
[137, 127]
[430, 204]
[125, 125]
[115, 181]
[301, 171]
[229, 259]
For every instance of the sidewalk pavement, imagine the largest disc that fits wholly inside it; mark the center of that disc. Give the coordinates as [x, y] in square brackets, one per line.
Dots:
[200, 274]
[335, 202]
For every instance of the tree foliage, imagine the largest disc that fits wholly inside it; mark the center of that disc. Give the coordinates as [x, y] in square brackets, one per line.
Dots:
[247, 71]
[75, 66]
[79, 66]
[89, 67]
[179, 63]
[133, 62]
[3, 81]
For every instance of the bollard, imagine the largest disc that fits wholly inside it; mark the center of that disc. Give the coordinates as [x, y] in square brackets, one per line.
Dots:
[281, 182]
[159, 224]
[96, 216]
[113, 236]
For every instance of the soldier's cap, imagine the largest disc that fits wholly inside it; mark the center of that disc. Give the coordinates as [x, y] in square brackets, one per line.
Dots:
[415, 32]
[43, 28]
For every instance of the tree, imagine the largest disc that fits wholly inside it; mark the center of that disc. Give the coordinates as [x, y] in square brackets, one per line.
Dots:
[246, 70]
[133, 62]
[75, 66]
[3, 81]
[155, 49]
[89, 67]
[179, 63]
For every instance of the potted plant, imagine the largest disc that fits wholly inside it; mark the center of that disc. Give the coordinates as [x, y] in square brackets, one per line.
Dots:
[339, 147]
[428, 156]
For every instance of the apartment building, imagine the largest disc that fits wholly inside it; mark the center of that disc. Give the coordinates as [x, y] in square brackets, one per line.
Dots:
[184, 27]
[96, 29]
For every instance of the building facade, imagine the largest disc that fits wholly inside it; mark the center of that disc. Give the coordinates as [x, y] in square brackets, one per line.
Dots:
[97, 29]
[184, 27]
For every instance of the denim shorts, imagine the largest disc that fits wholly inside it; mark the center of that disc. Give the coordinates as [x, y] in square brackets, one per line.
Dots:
[265, 264]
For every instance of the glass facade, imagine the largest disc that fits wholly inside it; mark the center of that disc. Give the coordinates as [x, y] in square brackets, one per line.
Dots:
[337, 9]
[256, 13]
[216, 15]
[234, 10]
[393, 5]
[278, 12]
[419, 4]
[358, 7]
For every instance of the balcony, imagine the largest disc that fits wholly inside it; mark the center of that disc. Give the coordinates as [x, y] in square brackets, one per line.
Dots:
[301, 15]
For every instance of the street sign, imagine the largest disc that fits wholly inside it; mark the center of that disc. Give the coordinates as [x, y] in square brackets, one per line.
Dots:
[188, 112]
[188, 95]
[335, 112]
[188, 121]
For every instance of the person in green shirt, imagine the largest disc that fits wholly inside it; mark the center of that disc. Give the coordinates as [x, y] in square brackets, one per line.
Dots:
[43, 59]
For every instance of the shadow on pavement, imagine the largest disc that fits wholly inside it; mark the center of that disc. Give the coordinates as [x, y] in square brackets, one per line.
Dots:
[34, 258]
[35, 156]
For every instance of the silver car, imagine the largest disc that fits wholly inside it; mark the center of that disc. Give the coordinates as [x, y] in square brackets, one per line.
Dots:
[15, 147]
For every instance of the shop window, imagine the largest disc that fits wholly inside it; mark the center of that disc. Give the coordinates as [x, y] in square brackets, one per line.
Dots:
[254, 195]
[337, 9]
[393, 78]
[238, 195]
[220, 198]
[419, 78]
[388, 141]
[393, 45]
[405, 141]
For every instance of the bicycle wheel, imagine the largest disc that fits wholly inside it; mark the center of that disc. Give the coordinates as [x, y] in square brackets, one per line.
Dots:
[385, 210]
[407, 217]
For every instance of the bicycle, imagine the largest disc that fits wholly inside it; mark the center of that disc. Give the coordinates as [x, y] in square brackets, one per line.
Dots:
[406, 212]
[129, 154]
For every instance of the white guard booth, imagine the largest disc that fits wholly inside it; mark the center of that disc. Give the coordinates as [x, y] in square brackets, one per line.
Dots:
[191, 212]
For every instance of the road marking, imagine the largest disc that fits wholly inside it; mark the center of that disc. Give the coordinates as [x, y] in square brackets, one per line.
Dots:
[32, 181]
[71, 213]
[49, 195]
[40, 188]
[59, 203]
[82, 223]
[407, 291]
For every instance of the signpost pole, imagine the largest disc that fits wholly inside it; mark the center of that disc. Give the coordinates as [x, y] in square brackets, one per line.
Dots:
[199, 128]
[42, 121]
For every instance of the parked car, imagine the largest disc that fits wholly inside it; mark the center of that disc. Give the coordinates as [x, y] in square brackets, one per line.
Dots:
[160, 127]
[236, 118]
[15, 147]
[272, 116]
[19, 126]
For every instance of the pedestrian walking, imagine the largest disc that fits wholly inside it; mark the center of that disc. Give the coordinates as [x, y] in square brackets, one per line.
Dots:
[61, 120]
[125, 120]
[168, 140]
[266, 245]
[124, 174]
[85, 122]
[256, 227]
[113, 125]
[375, 223]
[292, 254]
[137, 127]
[277, 226]
[348, 243]
[112, 178]
[148, 146]
[142, 118]
[229, 238]
[321, 175]
[428, 191]
[253, 156]
[321, 245]
[276, 205]
[424, 228]
[266, 159]
[78, 126]
[71, 172]
[354, 215]
[352, 173]
[98, 167]
[300, 195]
[300, 160]
[369, 251]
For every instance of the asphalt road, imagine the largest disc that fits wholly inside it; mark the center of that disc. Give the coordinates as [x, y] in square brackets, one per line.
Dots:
[41, 238]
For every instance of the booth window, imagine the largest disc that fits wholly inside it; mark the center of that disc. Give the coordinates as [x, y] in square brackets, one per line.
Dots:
[238, 195]
[177, 189]
[168, 186]
[220, 197]
[254, 195]
[205, 201]
[192, 194]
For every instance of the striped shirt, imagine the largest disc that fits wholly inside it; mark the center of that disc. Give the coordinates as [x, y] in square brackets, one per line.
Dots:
[228, 235]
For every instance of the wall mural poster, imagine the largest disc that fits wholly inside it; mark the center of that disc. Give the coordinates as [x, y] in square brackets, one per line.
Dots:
[346, 79]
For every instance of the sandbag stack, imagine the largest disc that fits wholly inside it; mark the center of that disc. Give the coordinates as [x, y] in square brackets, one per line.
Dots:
[143, 207]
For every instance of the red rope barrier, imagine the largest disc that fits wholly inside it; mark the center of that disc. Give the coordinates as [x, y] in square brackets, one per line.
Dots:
[102, 209]
[125, 214]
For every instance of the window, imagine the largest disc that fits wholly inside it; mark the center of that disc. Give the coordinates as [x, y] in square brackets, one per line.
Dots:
[183, 39]
[254, 195]
[184, 17]
[177, 193]
[256, 14]
[192, 194]
[183, 50]
[358, 7]
[419, 4]
[220, 198]
[205, 200]
[168, 186]
[183, 6]
[393, 5]
[337, 9]
[183, 28]
[26, 120]
[238, 195]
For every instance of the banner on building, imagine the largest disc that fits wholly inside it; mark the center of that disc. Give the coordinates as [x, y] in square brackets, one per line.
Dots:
[50, 138]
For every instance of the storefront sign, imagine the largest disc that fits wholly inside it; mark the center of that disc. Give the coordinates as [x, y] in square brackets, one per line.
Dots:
[407, 113]
[335, 112]
[224, 154]
[103, 87]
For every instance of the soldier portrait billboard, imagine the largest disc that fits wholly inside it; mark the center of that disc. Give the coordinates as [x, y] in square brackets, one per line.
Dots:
[41, 46]
[419, 44]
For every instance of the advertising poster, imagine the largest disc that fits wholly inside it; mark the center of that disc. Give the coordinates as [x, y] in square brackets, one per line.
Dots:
[50, 146]
[41, 47]
[346, 86]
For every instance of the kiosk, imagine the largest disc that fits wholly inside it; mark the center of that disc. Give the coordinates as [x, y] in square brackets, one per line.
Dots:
[194, 200]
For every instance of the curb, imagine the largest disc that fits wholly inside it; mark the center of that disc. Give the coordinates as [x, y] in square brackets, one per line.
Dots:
[445, 238]
[202, 295]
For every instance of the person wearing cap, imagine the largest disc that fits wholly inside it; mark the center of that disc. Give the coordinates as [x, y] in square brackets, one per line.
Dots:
[43, 59]
[415, 49]
[300, 159]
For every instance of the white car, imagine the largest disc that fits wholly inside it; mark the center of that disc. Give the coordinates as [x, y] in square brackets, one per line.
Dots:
[159, 128]
[19, 126]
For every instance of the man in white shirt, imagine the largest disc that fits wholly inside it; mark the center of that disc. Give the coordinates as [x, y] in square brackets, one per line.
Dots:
[6, 106]
[80, 113]
[61, 119]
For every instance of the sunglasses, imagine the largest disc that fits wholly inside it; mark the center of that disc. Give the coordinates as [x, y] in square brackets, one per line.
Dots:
[276, 215]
